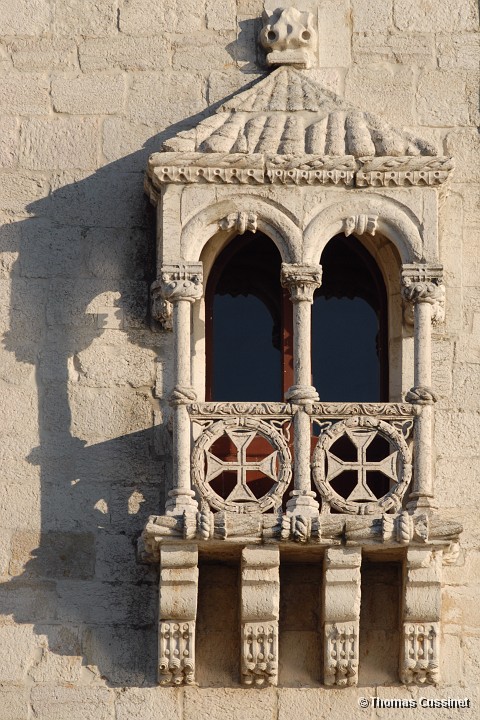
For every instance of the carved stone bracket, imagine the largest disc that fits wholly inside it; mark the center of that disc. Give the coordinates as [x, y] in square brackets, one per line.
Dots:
[177, 614]
[420, 657]
[259, 615]
[290, 38]
[241, 222]
[360, 224]
[341, 615]
[301, 280]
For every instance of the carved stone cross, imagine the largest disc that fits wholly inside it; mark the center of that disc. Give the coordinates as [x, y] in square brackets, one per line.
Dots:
[241, 439]
[361, 440]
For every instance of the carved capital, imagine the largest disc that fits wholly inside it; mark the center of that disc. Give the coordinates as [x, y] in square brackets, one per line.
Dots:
[180, 282]
[289, 37]
[241, 222]
[360, 224]
[424, 284]
[301, 280]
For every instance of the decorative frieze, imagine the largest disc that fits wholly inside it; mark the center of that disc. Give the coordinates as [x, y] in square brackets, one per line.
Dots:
[177, 614]
[416, 170]
[260, 603]
[301, 169]
[341, 615]
[290, 38]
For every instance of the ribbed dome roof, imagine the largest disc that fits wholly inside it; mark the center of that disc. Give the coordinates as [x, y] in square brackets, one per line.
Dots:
[287, 113]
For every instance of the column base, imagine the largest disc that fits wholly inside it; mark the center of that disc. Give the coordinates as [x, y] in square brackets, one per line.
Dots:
[419, 502]
[302, 503]
[181, 501]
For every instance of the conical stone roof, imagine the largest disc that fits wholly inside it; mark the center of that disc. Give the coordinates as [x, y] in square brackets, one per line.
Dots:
[287, 113]
[288, 129]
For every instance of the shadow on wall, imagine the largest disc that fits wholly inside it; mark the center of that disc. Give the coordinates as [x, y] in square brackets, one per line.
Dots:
[84, 354]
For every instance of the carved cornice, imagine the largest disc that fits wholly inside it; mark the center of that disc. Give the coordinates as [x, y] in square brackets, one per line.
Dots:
[392, 171]
[301, 280]
[434, 530]
[258, 169]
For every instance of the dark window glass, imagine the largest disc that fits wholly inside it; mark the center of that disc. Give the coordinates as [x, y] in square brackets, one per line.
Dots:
[349, 326]
[244, 322]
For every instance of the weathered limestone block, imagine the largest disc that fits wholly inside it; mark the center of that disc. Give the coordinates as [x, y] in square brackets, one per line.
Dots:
[341, 615]
[59, 144]
[91, 18]
[387, 89]
[9, 140]
[128, 53]
[177, 614]
[29, 97]
[420, 656]
[94, 94]
[260, 603]
[75, 703]
[143, 704]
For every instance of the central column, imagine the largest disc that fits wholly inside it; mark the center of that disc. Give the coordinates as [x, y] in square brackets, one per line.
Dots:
[422, 287]
[181, 285]
[302, 281]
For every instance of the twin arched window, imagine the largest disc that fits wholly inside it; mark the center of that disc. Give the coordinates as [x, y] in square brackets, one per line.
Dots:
[249, 324]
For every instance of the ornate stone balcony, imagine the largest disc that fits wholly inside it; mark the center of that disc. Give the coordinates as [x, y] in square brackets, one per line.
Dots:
[361, 472]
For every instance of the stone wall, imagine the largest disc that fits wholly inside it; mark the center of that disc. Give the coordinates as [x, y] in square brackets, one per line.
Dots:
[88, 88]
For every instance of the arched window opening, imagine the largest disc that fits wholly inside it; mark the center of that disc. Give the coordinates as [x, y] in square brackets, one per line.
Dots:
[245, 322]
[349, 326]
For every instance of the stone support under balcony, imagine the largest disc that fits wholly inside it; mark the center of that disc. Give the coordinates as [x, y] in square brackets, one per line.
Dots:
[341, 615]
[177, 614]
[419, 662]
[302, 281]
[181, 285]
[422, 287]
[260, 603]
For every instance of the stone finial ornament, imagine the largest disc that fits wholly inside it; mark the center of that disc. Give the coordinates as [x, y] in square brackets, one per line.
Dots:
[289, 37]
